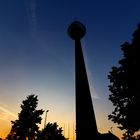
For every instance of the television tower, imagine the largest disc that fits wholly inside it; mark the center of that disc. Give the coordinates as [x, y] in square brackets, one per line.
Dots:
[86, 128]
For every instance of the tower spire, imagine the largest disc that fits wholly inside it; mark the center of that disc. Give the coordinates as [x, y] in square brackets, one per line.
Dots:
[86, 127]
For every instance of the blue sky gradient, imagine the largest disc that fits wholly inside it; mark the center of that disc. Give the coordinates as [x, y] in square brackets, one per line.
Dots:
[37, 55]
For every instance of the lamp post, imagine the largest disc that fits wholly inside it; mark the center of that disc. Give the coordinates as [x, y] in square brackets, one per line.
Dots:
[45, 118]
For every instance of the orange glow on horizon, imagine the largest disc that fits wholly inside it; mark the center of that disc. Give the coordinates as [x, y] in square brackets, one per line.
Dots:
[66, 120]
[5, 128]
[68, 129]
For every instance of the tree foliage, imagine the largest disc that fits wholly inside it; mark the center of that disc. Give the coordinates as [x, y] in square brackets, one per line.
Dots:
[26, 126]
[125, 87]
[51, 132]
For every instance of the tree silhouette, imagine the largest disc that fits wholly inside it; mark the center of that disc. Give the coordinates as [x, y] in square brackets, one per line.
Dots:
[28, 119]
[125, 87]
[51, 132]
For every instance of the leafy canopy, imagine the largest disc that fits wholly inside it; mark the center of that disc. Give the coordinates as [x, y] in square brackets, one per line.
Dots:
[51, 132]
[125, 87]
[26, 126]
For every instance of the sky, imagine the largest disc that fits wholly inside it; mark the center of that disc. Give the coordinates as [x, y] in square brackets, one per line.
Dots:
[37, 56]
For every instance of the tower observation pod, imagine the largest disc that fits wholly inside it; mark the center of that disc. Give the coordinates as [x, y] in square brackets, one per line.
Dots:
[86, 128]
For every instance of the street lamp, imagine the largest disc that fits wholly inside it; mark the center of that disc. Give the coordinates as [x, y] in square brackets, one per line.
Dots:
[45, 118]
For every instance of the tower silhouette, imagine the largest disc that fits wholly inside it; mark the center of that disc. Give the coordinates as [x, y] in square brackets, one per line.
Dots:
[86, 127]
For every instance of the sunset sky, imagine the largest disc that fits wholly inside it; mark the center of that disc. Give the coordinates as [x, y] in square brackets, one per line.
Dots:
[37, 55]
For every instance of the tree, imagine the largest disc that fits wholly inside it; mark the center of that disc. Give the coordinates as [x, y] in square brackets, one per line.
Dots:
[28, 119]
[51, 132]
[125, 87]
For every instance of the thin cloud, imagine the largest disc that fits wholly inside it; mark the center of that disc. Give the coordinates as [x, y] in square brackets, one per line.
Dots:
[7, 111]
[94, 94]
[31, 13]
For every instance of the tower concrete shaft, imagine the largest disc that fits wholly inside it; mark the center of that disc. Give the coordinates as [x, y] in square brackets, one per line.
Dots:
[86, 127]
